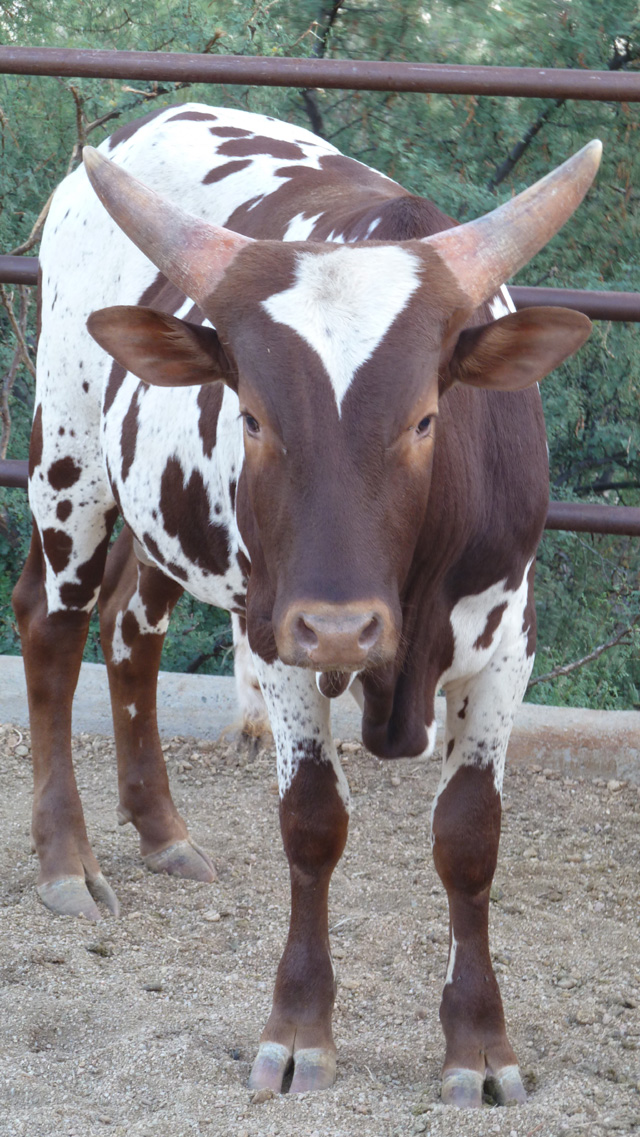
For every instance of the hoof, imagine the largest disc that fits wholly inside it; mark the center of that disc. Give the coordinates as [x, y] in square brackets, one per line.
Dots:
[73, 896]
[269, 1067]
[185, 859]
[314, 1069]
[506, 1086]
[462, 1088]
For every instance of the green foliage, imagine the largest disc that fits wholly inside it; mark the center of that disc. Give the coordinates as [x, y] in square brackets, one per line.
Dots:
[458, 150]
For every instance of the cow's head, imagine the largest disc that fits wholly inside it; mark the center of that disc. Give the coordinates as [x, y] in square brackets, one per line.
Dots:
[339, 355]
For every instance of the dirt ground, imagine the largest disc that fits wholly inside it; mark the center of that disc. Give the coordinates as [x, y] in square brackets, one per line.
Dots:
[146, 1026]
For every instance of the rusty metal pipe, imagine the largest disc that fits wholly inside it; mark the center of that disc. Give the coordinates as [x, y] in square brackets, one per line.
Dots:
[18, 270]
[343, 74]
[596, 305]
[624, 306]
[619, 520]
[14, 473]
[572, 516]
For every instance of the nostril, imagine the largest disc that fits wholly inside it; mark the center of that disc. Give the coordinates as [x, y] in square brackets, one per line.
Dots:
[305, 635]
[369, 634]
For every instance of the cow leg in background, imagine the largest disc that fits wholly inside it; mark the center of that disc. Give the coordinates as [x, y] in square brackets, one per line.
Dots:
[135, 602]
[52, 647]
[466, 834]
[314, 816]
[254, 720]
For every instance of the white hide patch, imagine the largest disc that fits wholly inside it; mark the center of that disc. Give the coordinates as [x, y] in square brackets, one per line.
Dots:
[252, 707]
[300, 227]
[344, 302]
[299, 716]
[452, 959]
[485, 685]
[502, 304]
[120, 651]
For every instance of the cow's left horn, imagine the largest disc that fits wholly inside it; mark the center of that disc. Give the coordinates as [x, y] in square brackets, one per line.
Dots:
[192, 253]
[482, 254]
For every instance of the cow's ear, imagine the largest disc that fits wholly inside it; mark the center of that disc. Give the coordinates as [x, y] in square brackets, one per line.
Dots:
[517, 350]
[160, 349]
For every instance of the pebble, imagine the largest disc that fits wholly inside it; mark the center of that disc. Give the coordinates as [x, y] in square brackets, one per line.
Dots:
[211, 916]
[259, 1097]
[99, 948]
[22, 751]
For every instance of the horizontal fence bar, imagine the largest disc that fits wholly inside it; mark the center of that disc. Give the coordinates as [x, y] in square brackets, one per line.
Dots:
[343, 74]
[18, 270]
[596, 305]
[618, 520]
[14, 473]
[615, 519]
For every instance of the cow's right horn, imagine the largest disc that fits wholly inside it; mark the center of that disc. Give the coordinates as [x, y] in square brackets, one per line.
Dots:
[482, 254]
[191, 253]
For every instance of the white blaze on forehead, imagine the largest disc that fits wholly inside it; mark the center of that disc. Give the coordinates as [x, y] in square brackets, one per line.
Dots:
[344, 302]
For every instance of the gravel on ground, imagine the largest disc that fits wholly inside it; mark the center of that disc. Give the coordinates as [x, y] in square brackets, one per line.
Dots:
[146, 1026]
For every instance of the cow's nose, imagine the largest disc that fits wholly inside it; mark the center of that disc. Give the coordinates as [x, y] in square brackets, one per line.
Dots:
[336, 637]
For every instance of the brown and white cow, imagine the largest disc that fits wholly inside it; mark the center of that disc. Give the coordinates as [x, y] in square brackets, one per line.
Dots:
[353, 462]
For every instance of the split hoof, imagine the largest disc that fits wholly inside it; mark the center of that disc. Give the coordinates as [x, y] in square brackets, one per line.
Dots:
[314, 1069]
[270, 1067]
[506, 1086]
[184, 859]
[74, 896]
[462, 1088]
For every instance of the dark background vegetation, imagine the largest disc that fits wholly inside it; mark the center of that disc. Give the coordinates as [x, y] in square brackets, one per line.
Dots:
[467, 154]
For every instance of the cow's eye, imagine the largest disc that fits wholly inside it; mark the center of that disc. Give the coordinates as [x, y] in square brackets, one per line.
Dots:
[251, 423]
[424, 426]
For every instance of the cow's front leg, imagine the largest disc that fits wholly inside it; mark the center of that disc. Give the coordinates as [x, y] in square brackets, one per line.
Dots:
[314, 815]
[136, 601]
[466, 834]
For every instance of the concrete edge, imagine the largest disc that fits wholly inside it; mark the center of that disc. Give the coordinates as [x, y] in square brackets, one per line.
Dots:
[569, 740]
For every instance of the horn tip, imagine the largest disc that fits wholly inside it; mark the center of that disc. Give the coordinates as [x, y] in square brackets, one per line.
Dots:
[91, 159]
[593, 150]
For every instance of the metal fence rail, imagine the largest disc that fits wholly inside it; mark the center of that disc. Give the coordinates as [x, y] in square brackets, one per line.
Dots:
[622, 521]
[341, 74]
[427, 78]
[596, 305]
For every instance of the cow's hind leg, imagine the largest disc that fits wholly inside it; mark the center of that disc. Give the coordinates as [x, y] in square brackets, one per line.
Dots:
[254, 719]
[314, 820]
[136, 601]
[52, 646]
[466, 834]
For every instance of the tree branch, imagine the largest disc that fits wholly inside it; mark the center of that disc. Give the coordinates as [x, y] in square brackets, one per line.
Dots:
[567, 668]
[623, 53]
[7, 303]
[34, 235]
[327, 19]
[10, 377]
[519, 149]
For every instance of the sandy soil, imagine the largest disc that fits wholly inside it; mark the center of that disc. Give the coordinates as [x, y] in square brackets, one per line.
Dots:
[146, 1026]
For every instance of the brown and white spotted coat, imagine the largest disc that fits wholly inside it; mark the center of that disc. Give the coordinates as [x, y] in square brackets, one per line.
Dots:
[287, 469]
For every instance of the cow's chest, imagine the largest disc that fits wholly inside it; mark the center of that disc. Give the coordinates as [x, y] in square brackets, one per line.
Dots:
[173, 458]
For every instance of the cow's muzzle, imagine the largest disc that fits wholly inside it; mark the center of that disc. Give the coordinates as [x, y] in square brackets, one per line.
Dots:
[337, 637]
